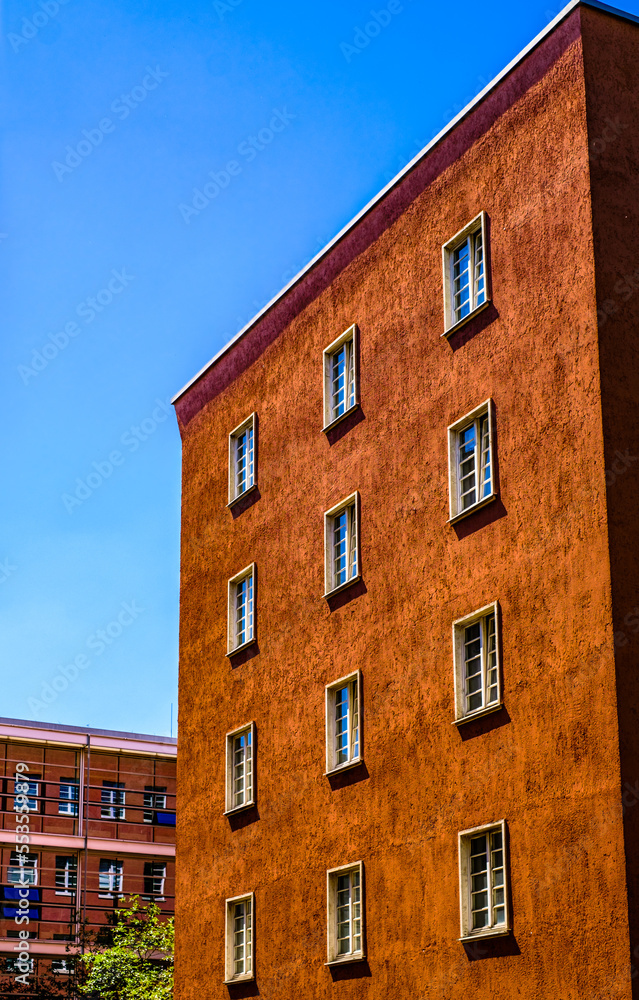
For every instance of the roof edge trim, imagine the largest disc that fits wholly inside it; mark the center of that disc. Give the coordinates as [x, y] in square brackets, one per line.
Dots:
[561, 16]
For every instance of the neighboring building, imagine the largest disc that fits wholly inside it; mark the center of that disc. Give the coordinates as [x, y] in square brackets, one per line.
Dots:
[410, 575]
[100, 826]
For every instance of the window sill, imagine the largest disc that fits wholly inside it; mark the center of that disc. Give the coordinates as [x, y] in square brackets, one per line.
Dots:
[479, 714]
[64, 892]
[241, 496]
[344, 767]
[347, 959]
[342, 416]
[471, 510]
[471, 315]
[239, 809]
[343, 586]
[238, 649]
[248, 978]
[493, 932]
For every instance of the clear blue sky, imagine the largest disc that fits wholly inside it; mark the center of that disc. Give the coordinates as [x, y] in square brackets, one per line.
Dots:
[114, 295]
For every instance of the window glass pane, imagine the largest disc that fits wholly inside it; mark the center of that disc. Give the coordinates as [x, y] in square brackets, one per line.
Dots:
[467, 465]
[23, 869]
[492, 684]
[244, 461]
[484, 437]
[339, 549]
[66, 868]
[242, 768]
[350, 351]
[461, 280]
[479, 283]
[26, 786]
[341, 725]
[354, 721]
[242, 937]
[338, 382]
[244, 610]
[69, 796]
[353, 543]
[473, 666]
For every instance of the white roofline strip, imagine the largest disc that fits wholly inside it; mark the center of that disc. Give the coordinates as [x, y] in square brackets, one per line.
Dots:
[405, 170]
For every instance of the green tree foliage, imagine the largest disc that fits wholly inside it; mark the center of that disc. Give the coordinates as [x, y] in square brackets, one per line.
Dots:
[138, 964]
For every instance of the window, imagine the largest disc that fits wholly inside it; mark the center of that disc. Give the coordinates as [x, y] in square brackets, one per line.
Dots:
[239, 768]
[343, 732]
[110, 878]
[154, 798]
[61, 966]
[345, 913]
[471, 461]
[242, 459]
[154, 876]
[23, 966]
[341, 544]
[66, 874]
[476, 654]
[241, 619]
[340, 377]
[239, 938]
[23, 869]
[26, 787]
[465, 289]
[69, 796]
[113, 798]
[482, 881]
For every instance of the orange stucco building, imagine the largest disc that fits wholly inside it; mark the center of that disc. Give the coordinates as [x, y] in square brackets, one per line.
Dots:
[409, 744]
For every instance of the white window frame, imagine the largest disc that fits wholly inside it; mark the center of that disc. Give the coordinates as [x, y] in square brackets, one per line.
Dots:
[485, 409]
[459, 628]
[250, 800]
[115, 875]
[113, 800]
[350, 502]
[497, 930]
[23, 869]
[478, 224]
[154, 877]
[70, 874]
[350, 335]
[354, 683]
[154, 801]
[61, 966]
[233, 645]
[32, 792]
[332, 876]
[68, 803]
[229, 932]
[249, 424]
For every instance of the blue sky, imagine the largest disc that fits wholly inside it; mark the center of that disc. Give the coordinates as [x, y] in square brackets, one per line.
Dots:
[121, 278]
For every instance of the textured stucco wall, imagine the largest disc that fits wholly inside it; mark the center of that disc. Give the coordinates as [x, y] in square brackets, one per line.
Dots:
[549, 761]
